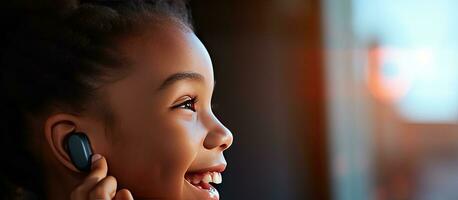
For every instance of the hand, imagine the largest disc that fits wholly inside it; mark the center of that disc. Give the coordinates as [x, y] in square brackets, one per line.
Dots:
[98, 186]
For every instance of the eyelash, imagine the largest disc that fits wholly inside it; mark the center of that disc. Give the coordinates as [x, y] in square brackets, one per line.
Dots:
[188, 104]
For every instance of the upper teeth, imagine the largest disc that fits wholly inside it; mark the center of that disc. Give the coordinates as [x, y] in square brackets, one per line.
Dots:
[209, 177]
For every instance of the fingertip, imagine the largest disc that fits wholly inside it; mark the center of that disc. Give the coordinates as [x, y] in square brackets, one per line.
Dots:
[95, 158]
[99, 163]
[124, 194]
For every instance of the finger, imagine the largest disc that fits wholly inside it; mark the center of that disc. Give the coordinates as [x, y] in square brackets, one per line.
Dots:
[124, 194]
[104, 190]
[99, 170]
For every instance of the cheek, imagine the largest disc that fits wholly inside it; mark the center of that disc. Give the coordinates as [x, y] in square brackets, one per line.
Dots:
[151, 157]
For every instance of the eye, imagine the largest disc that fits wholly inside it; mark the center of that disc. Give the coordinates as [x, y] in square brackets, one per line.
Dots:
[189, 104]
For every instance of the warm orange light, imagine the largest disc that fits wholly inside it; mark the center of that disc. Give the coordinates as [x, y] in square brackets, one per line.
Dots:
[386, 88]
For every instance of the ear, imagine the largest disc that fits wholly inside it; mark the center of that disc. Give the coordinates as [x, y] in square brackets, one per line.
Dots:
[57, 128]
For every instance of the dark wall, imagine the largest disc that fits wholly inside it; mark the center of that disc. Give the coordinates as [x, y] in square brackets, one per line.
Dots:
[264, 96]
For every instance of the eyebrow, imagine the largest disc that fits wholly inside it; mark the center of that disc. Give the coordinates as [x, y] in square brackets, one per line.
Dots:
[172, 79]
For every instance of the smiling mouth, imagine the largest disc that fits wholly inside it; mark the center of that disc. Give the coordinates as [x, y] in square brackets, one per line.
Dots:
[202, 181]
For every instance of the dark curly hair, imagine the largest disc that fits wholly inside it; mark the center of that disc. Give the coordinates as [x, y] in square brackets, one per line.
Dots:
[56, 54]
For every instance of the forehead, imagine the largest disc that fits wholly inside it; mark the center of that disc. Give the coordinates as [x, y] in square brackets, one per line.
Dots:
[162, 50]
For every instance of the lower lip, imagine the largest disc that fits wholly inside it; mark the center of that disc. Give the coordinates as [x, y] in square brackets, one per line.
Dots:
[206, 194]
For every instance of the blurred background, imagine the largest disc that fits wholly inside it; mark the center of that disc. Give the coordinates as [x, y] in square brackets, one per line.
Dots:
[336, 99]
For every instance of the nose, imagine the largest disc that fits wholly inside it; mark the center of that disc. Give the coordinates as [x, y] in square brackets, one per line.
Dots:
[218, 136]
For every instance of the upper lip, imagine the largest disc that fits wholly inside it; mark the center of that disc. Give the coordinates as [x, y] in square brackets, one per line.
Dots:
[217, 168]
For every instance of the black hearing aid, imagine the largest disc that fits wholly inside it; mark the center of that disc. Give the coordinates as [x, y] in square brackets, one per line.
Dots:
[79, 149]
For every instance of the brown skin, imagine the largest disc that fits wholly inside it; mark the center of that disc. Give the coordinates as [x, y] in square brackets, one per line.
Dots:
[153, 141]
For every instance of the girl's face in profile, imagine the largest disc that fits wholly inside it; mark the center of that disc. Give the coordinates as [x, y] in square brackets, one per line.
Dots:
[164, 135]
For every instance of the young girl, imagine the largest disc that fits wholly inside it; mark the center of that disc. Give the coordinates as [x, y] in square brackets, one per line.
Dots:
[134, 78]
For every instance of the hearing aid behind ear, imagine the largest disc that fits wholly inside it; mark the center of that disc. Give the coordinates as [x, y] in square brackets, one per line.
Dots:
[79, 150]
